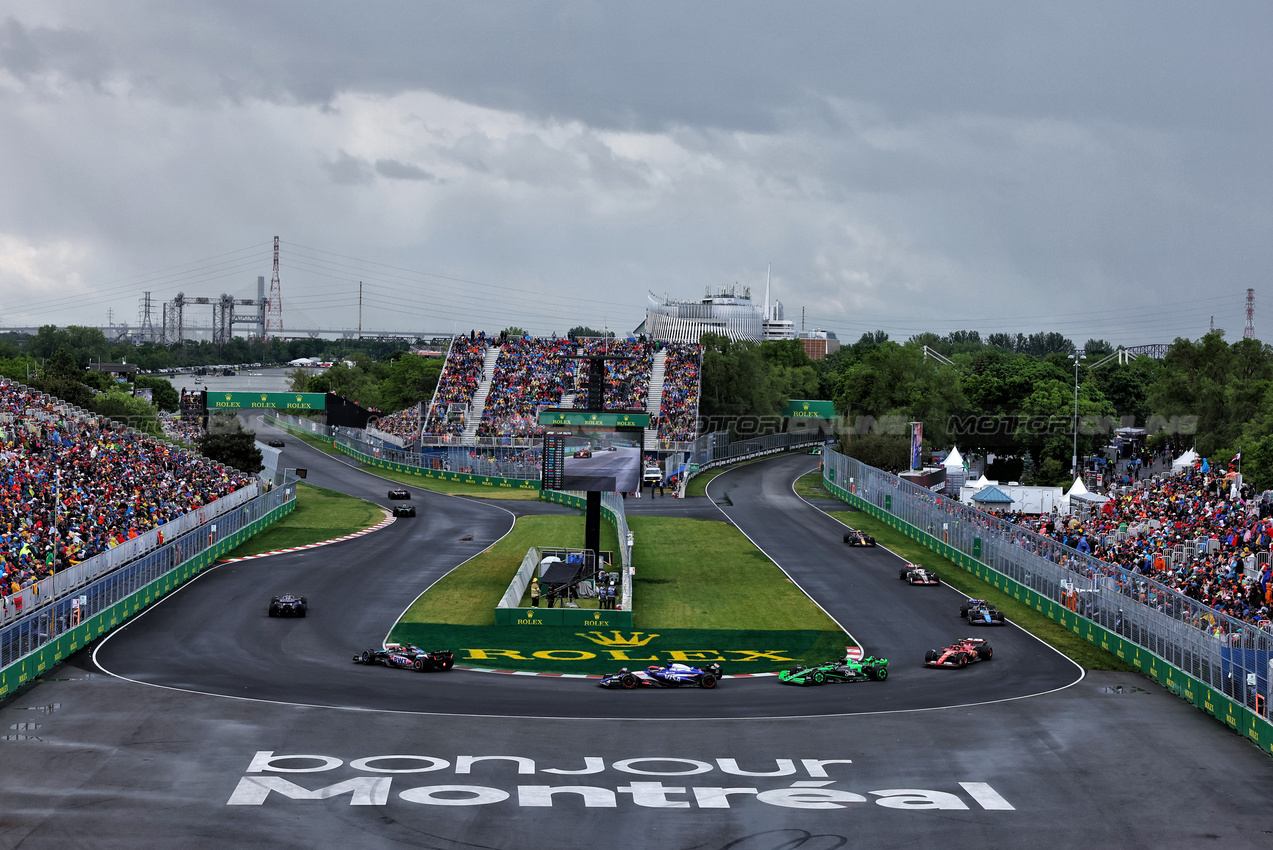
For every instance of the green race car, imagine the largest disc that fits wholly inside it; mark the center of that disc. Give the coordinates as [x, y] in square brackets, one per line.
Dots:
[845, 670]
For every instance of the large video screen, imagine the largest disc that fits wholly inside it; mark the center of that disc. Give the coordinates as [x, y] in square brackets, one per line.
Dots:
[590, 459]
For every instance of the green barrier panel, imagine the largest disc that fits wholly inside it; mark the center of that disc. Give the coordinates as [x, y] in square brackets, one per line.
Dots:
[1237, 717]
[30, 666]
[441, 474]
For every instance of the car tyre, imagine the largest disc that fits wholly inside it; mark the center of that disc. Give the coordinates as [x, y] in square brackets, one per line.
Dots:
[963, 660]
[986, 653]
[818, 677]
[931, 655]
[708, 680]
[366, 656]
[901, 574]
[273, 610]
[881, 673]
[628, 681]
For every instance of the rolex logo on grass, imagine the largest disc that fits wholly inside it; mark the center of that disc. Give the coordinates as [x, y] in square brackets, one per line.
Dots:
[617, 638]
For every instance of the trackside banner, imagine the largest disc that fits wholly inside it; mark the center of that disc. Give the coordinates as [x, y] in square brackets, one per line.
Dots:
[651, 782]
[599, 650]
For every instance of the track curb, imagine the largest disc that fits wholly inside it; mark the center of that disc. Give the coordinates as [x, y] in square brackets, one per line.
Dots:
[384, 523]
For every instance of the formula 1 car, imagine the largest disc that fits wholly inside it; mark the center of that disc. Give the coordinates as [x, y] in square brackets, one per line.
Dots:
[404, 510]
[583, 453]
[673, 675]
[845, 670]
[406, 655]
[288, 605]
[276, 443]
[961, 653]
[915, 574]
[400, 493]
[856, 538]
[979, 612]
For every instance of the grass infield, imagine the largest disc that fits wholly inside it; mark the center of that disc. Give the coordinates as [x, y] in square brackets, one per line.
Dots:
[320, 514]
[699, 585]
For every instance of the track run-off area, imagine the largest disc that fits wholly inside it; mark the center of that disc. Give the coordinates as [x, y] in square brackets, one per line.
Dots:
[203, 722]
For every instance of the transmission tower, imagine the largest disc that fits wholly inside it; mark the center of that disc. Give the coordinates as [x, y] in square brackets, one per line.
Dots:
[274, 307]
[147, 332]
[1249, 331]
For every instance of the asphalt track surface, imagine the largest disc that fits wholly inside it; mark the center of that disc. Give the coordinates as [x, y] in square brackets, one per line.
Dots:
[92, 760]
[217, 638]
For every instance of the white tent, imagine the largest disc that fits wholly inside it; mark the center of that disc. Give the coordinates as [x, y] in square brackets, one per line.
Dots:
[1078, 489]
[1185, 461]
[954, 459]
[983, 482]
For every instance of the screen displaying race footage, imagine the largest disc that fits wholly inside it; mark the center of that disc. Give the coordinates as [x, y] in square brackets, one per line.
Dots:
[586, 459]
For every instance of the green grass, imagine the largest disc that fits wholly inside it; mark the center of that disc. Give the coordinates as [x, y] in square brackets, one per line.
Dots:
[704, 574]
[702, 593]
[810, 487]
[320, 515]
[467, 595]
[1085, 654]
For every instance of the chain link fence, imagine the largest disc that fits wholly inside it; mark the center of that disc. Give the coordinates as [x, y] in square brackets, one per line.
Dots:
[1229, 655]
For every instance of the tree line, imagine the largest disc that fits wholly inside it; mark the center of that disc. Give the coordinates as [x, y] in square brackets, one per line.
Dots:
[1013, 395]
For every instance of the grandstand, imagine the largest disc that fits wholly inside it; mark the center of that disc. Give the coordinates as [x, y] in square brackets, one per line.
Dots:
[75, 486]
[1186, 530]
[491, 390]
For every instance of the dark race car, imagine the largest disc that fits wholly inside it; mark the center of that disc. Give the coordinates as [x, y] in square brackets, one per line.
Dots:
[404, 510]
[845, 670]
[915, 574]
[979, 612]
[961, 653]
[673, 675]
[856, 538]
[276, 443]
[406, 655]
[288, 605]
[399, 493]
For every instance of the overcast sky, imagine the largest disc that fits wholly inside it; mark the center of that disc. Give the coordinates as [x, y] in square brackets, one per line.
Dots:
[1097, 168]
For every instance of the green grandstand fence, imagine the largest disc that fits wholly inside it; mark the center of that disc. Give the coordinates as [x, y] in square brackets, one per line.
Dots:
[77, 637]
[1236, 716]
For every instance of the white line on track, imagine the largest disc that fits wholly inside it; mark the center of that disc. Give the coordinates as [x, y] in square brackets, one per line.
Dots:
[567, 719]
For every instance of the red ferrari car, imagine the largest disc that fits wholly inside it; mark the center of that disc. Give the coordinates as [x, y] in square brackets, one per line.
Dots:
[961, 653]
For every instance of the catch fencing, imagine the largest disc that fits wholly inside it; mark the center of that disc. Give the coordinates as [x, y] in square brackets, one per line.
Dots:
[1220, 663]
[53, 628]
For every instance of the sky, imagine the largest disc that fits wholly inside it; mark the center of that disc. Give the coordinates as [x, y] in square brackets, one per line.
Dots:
[1100, 169]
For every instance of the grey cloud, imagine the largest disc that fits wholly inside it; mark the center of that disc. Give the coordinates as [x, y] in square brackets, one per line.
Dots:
[395, 170]
[348, 170]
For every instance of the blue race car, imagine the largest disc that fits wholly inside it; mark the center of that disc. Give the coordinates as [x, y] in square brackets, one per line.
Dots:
[673, 675]
[979, 612]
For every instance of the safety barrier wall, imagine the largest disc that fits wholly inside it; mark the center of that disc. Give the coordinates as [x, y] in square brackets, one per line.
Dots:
[1142, 622]
[408, 462]
[46, 635]
[74, 577]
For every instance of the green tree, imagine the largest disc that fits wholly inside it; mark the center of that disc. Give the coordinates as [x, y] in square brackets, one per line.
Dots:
[227, 442]
[165, 395]
[126, 408]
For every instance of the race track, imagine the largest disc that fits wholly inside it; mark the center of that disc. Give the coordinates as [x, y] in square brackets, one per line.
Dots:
[260, 733]
[217, 638]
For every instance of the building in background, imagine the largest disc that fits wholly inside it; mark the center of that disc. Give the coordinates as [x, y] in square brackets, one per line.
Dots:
[729, 311]
[818, 343]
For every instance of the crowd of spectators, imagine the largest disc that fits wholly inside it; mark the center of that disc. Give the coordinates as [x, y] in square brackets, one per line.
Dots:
[678, 411]
[73, 488]
[1187, 531]
[530, 373]
[182, 430]
[404, 424]
[459, 381]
